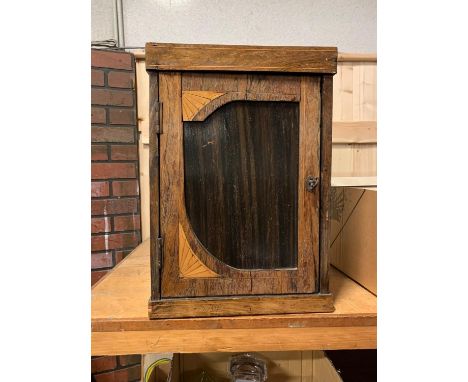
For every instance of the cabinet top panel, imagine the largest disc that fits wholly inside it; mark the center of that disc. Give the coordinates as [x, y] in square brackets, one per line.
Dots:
[241, 58]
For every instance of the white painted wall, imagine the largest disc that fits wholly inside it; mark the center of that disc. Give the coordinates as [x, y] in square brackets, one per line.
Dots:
[348, 24]
[102, 20]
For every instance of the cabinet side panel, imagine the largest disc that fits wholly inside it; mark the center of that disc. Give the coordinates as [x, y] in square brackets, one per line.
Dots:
[325, 175]
[154, 184]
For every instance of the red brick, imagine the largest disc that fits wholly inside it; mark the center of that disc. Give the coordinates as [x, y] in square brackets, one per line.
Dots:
[114, 241]
[99, 189]
[113, 170]
[99, 152]
[120, 255]
[126, 223]
[96, 276]
[125, 188]
[98, 115]
[126, 360]
[101, 260]
[120, 80]
[124, 152]
[123, 375]
[114, 60]
[97, 77]
[111, 97]
[122, 117]
[99, 225]
[114, 206]
[100, 364]
[112, 134]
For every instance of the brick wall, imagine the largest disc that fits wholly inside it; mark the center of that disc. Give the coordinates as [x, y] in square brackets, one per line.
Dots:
[115, 195]
[116, 369]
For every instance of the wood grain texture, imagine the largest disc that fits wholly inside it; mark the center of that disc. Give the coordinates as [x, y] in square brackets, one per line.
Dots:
[240, 306]
[289, 279]
[342, 56]
[355, 101]
[355, 132]
[245, 58]
[357, 57]
[241, 176]
[193, 101]
[208, 108]
[354, 181]
[154, 121]
[309, 203]
[325, 175]
[349, 158]
[190, 265]
[120, 303]
[233, 281]
[142, 89]
[233, 340]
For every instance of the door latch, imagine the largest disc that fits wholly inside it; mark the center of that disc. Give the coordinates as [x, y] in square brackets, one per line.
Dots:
[311, 182]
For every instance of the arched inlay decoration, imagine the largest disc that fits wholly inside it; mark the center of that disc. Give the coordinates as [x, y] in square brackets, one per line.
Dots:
[193, 101]
[241, 183]
[190, 265]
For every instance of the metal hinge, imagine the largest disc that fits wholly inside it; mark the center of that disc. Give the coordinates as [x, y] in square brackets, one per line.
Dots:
[159, 127]
[160, 250]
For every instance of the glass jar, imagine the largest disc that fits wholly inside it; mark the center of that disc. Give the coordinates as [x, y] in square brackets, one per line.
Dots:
[247, 368]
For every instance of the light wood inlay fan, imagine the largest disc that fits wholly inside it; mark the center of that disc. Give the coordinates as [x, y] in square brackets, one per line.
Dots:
[194, 101]
[190, 266]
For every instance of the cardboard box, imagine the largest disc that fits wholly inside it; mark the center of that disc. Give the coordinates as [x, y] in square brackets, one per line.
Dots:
[353, 237]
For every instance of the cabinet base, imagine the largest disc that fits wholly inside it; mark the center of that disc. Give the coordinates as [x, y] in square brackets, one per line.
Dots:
[240, 306]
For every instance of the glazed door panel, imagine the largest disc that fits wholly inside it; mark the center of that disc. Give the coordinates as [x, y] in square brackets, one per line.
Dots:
[239, 216]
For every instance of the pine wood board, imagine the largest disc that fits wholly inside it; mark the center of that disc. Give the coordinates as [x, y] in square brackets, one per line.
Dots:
[142, 87]
[355, 132]
[120, 323]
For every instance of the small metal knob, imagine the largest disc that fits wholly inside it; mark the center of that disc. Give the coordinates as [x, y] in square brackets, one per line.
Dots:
[311, 182]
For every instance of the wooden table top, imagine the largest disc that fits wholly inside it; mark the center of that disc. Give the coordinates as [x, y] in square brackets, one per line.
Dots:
[120, 324]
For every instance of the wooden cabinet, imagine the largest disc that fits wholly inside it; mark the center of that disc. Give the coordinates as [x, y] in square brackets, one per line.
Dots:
[240, 157]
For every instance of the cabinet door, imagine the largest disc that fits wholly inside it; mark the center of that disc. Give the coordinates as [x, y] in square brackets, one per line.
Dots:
[238, 215]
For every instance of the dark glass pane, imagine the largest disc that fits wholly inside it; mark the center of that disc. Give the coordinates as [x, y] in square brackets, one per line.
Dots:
[241, 170]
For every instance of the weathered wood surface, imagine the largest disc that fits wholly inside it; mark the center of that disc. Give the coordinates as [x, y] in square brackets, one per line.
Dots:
[238, 306]
[241, 174]
[309, 202]
[245, 58]
[202, 110]
[325, 176]
[154, 126]
[173, 212]
[120, 323]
